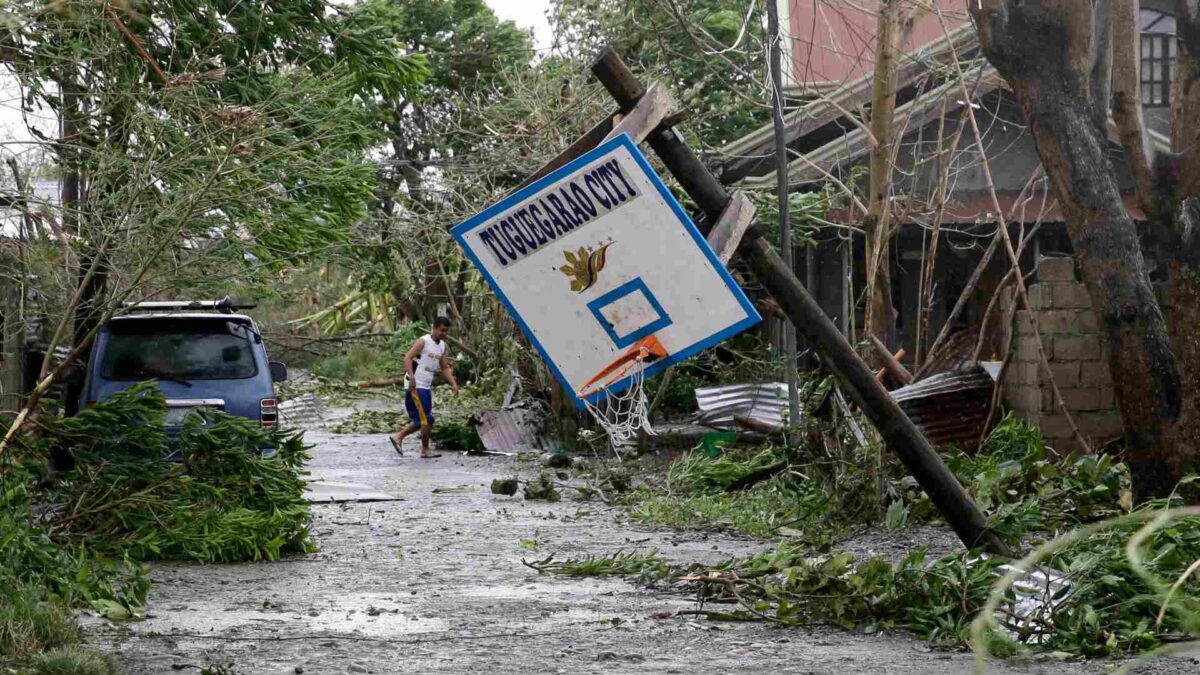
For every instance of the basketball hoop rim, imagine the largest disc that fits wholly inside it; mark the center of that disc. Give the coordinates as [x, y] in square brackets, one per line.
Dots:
[646, 351]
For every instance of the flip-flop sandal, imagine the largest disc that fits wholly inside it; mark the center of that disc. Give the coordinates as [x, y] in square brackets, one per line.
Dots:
[434, 456]
[396, 446]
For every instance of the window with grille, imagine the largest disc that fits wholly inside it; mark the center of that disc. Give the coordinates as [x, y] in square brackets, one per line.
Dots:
[1158, 51]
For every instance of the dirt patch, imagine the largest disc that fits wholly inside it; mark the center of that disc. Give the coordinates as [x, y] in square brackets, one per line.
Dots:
[435, 584]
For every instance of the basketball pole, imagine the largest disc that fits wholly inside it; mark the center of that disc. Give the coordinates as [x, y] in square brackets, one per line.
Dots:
[897, 430]
[783, 188]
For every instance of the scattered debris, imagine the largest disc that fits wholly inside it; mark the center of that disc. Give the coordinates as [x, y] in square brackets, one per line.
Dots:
[454, 490]
[764, 403]
[951, 408]
[372, 422]
[302, 412]
[1039, 594]
[520, 429]
[556, 460]
[542, 488]
[326, 492]
[505, 486]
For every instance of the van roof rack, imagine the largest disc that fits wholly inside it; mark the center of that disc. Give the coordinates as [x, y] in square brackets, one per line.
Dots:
[224, 305]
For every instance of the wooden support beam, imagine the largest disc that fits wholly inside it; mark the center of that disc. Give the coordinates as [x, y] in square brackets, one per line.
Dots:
[725, 236]
[894, 426]
[650, 111]
[891, 363]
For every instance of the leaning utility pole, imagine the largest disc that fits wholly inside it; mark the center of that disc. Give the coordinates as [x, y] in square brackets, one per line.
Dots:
[897, 430]
[782, 186]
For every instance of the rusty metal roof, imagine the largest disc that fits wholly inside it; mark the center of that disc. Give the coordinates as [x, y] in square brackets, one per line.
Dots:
[766, 402]
[950, 408]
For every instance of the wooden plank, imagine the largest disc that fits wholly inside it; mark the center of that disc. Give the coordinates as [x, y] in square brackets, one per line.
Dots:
[651, 109]
[735, 220]
[896, 428]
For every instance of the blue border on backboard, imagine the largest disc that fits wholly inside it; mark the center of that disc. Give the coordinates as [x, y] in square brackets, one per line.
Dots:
[626, 289]
[460, 232]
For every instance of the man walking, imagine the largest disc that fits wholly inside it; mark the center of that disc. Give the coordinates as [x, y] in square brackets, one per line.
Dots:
[424, 359]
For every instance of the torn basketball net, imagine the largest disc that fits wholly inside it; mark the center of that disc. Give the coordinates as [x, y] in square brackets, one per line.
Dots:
[624, 414]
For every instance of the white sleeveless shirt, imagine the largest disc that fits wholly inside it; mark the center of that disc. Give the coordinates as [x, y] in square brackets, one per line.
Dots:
[428, 363]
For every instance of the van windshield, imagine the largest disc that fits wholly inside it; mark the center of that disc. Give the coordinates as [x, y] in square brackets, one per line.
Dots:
[175, 349]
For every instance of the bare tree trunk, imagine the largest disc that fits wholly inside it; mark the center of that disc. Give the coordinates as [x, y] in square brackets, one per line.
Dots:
[1055, 55]
[879, 310]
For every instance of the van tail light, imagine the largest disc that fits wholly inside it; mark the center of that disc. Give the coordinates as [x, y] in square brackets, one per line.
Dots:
[268, 413]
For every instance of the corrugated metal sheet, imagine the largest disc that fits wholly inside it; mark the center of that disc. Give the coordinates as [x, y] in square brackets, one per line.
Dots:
[766, 403]
[951, 408]
[513, 430]
[302, 412]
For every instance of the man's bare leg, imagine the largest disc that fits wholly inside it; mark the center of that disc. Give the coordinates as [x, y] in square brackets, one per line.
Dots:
[426, 434]
[399, 437]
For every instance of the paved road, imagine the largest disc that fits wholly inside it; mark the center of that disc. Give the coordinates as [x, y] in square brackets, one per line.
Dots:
[434, 584]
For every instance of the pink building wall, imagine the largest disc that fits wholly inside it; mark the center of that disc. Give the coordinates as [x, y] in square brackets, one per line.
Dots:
[833, 41]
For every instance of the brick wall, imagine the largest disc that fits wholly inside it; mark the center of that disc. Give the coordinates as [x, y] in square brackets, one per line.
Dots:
[1076, 354]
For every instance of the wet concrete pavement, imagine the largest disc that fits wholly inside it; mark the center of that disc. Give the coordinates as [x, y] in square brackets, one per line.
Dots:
[434, 584]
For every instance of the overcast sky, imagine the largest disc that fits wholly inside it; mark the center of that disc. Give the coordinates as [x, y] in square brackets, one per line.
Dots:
[526, 14]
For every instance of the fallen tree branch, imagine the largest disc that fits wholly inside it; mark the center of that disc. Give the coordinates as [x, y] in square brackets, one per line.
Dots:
[757, 476]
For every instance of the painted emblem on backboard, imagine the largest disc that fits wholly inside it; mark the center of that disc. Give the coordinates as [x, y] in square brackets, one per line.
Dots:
[583, 266]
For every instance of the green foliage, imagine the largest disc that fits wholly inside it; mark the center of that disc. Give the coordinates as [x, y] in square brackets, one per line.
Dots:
[451, 433]
[698, 473]
[455, 435]
[897, 516]
[221, 503]
[710, 53]
[1107, 609]
[766, 510]
[1110, 606]
[212, 135]
[31, 557]
[372, 422]
[453, 425]
[1022, 488]
[806, 213]
[30, 622]
[71, 661]
[1113, 607]
[361, 363]
[123, 503]
[378, 360]
[648, 566]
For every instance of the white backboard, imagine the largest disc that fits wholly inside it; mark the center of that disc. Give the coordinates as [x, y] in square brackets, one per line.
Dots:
[636, 266]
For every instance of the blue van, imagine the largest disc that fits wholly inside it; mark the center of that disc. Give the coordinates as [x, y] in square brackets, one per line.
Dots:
[201, 353]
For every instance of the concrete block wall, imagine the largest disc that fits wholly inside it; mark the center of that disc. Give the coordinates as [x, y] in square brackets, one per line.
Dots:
[1077, 356]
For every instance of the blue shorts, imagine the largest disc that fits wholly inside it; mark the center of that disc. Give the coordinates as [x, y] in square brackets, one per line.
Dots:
[420, 407]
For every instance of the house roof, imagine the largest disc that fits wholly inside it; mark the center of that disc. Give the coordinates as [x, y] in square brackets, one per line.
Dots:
[824, 136]
[832, 113]
[814, 166]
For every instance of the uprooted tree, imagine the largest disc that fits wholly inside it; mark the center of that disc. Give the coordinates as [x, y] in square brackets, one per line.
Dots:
[1070, 65]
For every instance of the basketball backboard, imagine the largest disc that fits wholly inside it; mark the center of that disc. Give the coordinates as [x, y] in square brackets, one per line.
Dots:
[597, 261]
